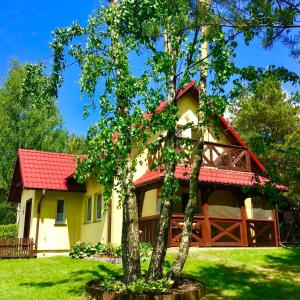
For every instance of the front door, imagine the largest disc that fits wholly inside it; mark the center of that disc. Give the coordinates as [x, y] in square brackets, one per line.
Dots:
[27, 219]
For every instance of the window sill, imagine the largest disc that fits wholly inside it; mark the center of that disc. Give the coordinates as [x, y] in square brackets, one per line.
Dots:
[96, 221]
[60, 224]
[88, 222]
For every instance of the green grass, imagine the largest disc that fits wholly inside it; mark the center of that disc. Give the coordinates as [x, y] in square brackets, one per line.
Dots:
[227, 274]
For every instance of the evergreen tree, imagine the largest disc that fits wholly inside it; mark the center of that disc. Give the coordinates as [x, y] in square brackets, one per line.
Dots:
[269, 121]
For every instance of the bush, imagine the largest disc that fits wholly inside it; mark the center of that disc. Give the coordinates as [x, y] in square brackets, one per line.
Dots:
[81, 250]
[9, 231]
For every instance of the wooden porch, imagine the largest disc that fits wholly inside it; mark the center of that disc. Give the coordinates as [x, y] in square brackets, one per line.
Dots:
[211, 229]
[215, 231]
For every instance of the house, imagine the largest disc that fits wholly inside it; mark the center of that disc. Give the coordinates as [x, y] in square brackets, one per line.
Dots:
[57, 212]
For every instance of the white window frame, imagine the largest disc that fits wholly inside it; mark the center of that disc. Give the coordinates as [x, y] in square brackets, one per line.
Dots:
[96, 206]
[64, 212]
[158, 205]
[86, 210]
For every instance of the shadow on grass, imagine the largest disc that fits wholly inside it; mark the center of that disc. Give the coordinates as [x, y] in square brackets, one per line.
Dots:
[289, 262]
[77, 276]
[223, 282]
[276, 277]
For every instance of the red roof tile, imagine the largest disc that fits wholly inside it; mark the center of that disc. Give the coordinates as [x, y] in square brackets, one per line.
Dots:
[208, 175]
[48, 170]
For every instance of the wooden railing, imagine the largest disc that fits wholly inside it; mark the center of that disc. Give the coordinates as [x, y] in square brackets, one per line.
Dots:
[16, 248]
[198, 230]
[261, 233]
[148, 228]
[221, 156]
[214, 231]
[226, 157]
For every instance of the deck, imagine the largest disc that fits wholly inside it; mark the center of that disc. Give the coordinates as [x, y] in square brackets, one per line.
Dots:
[215, 231]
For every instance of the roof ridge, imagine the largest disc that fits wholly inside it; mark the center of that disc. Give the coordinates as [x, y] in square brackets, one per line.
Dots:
[49, 152]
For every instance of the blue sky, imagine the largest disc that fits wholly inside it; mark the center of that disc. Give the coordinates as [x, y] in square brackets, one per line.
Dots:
[25, 33]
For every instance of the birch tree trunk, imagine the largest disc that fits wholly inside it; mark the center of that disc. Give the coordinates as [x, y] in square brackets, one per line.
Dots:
[130, 225]
[183, 251]
[130, 231]
[163, 232]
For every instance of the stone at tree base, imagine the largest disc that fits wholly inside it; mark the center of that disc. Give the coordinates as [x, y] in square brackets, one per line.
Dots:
[192, 291]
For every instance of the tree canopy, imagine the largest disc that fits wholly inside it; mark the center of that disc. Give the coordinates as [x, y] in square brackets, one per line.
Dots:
[171, 43]
[269, 121]
[28, 120]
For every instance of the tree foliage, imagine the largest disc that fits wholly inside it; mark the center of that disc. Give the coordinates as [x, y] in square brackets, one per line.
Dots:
[269, 121]
[132, 55]
[29, 119]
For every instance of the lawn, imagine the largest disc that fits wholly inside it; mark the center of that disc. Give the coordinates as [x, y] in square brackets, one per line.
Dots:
[227, 274]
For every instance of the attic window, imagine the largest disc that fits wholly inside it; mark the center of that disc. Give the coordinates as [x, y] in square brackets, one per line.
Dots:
[194, 134]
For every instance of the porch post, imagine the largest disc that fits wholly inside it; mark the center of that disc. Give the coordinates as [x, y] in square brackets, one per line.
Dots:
[207, 229]
[276, 227]
[244, 236]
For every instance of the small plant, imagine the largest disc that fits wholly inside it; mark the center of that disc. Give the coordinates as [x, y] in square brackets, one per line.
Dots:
[111, 284]
[145, 251]
[141, 286]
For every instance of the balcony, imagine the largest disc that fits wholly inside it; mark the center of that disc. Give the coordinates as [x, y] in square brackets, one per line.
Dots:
[230, 157]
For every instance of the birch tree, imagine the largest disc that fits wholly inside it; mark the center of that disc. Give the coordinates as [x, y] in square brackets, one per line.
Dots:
[134, 54]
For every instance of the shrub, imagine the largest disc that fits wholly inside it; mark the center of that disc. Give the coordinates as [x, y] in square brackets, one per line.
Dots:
[81, 250]
[9, 231]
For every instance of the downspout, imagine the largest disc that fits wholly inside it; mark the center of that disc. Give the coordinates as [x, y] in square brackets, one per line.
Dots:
[38, 215]
[109, 223]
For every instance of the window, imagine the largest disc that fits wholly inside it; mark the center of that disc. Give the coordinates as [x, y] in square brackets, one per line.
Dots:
[194, 133]
[88, 209]
[158, 206]
[60, 212]
[98, 206]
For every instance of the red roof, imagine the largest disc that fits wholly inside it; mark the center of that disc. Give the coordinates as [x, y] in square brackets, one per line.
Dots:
[47, 170]
[207, 175]
[54, 171]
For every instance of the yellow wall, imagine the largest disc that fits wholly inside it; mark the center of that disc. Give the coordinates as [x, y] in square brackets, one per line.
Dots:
[116, 222]
[61, 237]
[54, 236]
[95, 231]
[187, 107]
[150, 203]
[26, 195]
[187, 112]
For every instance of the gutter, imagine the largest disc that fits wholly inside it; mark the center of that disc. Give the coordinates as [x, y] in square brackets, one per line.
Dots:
[38, 220]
